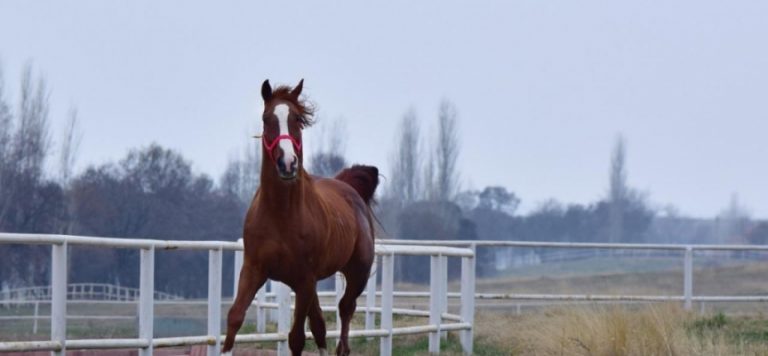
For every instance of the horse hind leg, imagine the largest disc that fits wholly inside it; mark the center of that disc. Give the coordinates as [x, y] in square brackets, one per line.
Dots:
[251, 279]
[357, 279]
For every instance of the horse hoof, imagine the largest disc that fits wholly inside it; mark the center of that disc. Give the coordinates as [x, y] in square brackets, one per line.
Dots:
[323, 352]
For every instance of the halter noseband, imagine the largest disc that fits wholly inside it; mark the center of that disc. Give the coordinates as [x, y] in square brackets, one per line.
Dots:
[271, 146]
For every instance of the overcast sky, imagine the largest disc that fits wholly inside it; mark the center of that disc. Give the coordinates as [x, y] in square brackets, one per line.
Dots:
[542, 87]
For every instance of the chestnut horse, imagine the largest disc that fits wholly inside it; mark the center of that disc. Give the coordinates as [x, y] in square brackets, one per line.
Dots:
[300, 228]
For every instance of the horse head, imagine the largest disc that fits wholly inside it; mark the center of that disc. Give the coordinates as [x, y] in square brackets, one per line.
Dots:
[285, 115]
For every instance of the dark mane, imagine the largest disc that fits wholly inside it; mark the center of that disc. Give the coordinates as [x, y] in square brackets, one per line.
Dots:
[306, 109]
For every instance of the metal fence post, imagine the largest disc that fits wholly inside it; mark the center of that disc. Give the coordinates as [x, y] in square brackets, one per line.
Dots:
[339, 285]
[37, 316]
[387, 289]
[435, 301]
[214, 300]
[370, 299]
[238, 266]
[272, 289]
[468, 300]
[146, 298]
[444, 290]
[283, 293]
[59, 296]
[261, 315]
[688, 278]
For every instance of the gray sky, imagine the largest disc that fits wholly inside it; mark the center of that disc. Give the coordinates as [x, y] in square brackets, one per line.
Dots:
[542, 88]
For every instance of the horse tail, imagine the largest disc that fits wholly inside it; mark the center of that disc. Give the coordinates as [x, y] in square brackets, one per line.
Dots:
[364, 179]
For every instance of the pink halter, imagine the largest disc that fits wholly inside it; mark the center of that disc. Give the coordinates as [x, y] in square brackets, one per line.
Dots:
[271, 147]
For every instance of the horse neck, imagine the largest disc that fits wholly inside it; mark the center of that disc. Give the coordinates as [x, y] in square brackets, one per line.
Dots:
[282, 198]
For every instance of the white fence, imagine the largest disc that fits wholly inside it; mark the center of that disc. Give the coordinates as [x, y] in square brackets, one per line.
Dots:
[688, 252]
[440, 320]
[80, 291]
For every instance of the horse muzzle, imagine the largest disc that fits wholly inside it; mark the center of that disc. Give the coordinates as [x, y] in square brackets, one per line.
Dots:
[288, 168]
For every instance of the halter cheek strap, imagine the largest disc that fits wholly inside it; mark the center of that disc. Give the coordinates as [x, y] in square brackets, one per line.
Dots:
[271, 146]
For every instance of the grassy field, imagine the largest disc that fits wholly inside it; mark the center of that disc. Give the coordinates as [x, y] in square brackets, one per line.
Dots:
[657, 329]
[618, 330]
[587, 329]
[631, 276]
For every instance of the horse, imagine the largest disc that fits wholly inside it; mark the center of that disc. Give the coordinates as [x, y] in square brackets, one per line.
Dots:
[300, 228]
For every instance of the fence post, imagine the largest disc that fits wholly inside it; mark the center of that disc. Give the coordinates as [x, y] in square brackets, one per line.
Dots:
[468, 300]
[688, 278]
[59, 296]
[272, 313]
[370, 299]
[444, 290]
[387, 289]
[37, 315]
[261, 315]
[214, 300]
[339, 285]
[283, 293]
[435, 301]
[237, 267]
[146, 298]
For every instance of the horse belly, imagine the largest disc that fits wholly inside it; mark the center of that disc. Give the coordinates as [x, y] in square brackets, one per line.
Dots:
[333, 254]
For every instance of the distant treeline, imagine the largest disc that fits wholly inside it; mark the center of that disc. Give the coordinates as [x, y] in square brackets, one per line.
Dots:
[153, 192]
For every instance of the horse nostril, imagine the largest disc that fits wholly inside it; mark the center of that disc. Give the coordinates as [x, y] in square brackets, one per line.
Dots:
[288, 166]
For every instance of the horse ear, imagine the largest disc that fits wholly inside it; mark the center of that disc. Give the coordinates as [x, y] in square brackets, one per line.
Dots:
[297, 90]
[266, 91]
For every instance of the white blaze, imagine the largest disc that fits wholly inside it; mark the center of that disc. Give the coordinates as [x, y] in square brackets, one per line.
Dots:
[282, 111]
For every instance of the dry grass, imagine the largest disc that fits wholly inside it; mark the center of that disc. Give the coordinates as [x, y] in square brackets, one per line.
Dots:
[615, 330]
[602, 277]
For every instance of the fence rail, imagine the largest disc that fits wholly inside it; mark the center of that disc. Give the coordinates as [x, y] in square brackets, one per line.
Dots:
[439, 320]
[278, 300]
[81, 291]
[688, 251]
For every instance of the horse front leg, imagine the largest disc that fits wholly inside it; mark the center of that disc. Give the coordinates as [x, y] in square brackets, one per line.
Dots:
[317, 325]
[305, 293]
[251, 279]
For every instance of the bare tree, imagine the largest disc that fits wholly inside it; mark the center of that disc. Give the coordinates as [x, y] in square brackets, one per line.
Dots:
[28, 203]
[328, 157]
[32, 139]
[6, 128]
[406, 175]
[251, 170]
[429, 181]
[447, 152]
[733, 222]
[336, 137]
[26, 144]
[242, 175]
[618, 191]
[70, 145]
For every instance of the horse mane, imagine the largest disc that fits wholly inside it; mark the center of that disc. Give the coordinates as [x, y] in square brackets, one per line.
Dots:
[306, 108]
